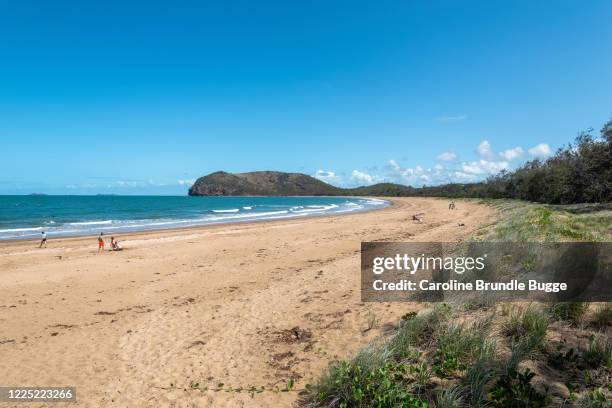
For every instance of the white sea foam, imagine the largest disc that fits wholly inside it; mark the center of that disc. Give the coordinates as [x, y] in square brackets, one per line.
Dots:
[233, 210]
[315, 208]
[247, 208]
[311, 210]
[250, 215]
[91, 222]
[324, 207]
[21, 229]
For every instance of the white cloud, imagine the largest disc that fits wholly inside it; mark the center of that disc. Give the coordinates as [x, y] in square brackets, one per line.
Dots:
[394, 165]
[541, 150]
[471, 168]
[130, 183]
[484, 167]
[362, 177]
[456, 118]
[511, 154]
[485, 151]
[447, 156]
[327, 176]
[397, 171]
[448, 170]
[462, 176]
[186, 182]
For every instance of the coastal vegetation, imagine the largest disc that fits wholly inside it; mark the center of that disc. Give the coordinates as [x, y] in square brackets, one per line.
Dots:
[447, 357]
[521, 221]
[498, 355]
[578, 173]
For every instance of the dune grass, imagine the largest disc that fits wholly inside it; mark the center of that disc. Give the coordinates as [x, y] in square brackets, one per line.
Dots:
[438, 358]
[572, 312]
[528, 322]
[602, 318]
[443, 358]
[388, 373]
[459, 345]
[521, 221]
[599, 353]
[430, 349]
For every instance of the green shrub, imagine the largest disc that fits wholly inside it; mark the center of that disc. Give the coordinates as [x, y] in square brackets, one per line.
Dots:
[514, 390]
[408, 316]
[350, 385]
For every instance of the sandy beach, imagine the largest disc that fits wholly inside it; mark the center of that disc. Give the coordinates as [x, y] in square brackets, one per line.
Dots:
[243, 305]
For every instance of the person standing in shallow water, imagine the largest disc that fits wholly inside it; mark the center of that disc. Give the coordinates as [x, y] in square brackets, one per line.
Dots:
[43, 239]
[101, 242]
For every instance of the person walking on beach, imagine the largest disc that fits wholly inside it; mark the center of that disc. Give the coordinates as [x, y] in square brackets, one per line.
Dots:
[451, 206]
[101, 242]
[43, 239]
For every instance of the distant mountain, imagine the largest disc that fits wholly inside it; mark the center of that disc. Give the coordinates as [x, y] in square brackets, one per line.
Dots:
[261, 183]
[274, 183]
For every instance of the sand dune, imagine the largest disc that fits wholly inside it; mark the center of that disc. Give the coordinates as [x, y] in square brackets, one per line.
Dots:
[243, 305]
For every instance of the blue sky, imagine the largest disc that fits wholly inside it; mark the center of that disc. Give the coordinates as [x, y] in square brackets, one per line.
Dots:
[143, 97]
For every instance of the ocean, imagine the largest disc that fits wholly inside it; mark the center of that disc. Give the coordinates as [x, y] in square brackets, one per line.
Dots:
[23, 217]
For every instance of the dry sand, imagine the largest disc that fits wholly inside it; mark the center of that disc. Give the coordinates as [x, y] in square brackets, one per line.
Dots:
[208, 305]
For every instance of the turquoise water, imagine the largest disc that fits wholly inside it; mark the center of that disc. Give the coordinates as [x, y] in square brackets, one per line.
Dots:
[23, 217]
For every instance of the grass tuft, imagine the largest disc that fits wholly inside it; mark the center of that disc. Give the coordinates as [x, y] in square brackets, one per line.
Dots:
[527, 323]
[450, 398]
[476, 380]
[599, 353]
[602, 317]
[569, 311]
[459, 345]
[595, 399]
[417, 330]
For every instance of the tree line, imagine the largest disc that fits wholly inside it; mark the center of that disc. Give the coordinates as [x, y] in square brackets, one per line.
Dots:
[578, 173]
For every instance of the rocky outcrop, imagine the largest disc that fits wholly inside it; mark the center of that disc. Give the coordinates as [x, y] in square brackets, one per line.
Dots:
[261, 183]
